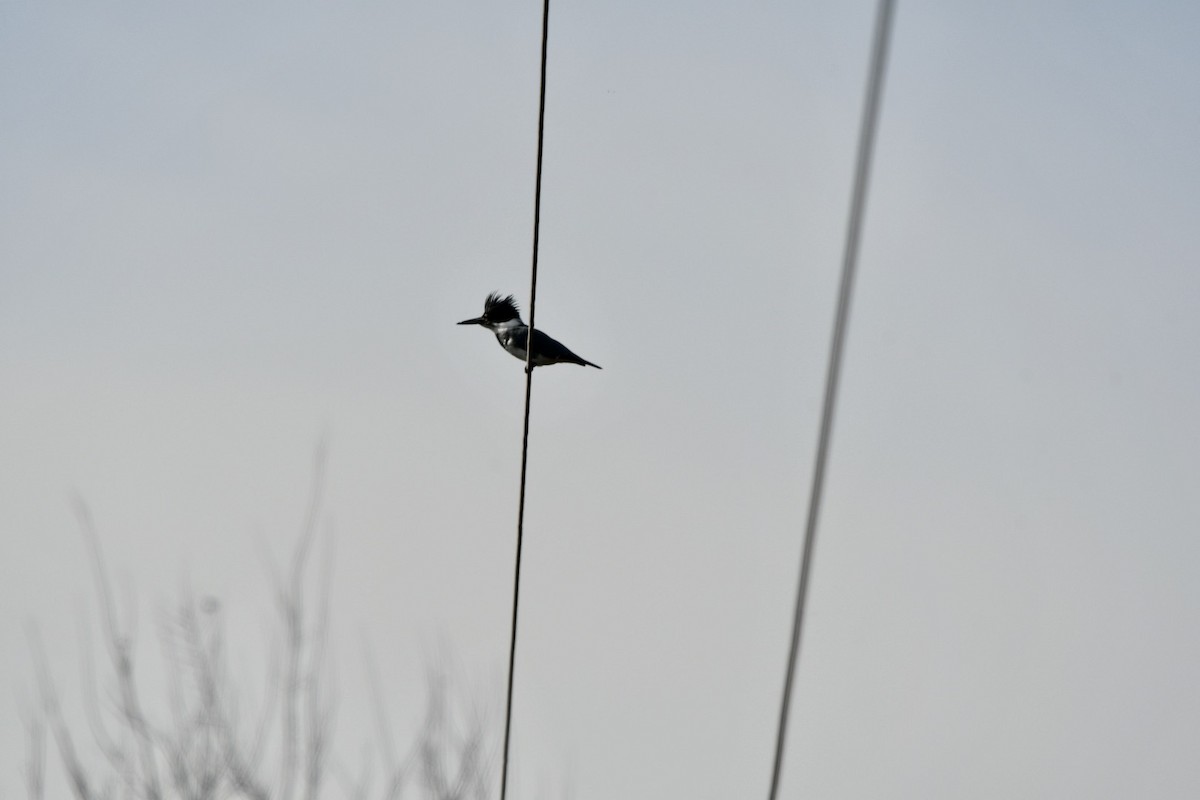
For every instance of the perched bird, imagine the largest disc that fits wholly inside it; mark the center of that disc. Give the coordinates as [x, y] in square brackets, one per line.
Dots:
[502, 317]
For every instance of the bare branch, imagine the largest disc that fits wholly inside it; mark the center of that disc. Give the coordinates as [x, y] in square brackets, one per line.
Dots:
[210, 750]
[121, 650]
[319, 713]
[184, 726]
[309, 530]
[387, 744]
[35, 756]
[226, 758]
[292, 609]
[53, 714]
[91, 700]
[108, 614]
[271, 697]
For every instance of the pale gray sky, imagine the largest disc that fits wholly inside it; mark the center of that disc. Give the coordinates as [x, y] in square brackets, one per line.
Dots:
[226, 231]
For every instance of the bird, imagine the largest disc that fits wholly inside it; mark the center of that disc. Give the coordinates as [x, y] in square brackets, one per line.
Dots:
[502, 317]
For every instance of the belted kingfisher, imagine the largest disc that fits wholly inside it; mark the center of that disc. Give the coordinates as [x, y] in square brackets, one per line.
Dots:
[502, 317]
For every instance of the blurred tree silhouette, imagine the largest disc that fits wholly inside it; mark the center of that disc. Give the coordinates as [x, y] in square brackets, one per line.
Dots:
[206, 745]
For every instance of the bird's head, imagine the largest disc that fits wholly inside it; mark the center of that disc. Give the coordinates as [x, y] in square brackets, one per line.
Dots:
[496, 311]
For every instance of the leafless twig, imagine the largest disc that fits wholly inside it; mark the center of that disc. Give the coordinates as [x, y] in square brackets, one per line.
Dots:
[53, 715]
[291, 607]
[121, 652]
[200, 751]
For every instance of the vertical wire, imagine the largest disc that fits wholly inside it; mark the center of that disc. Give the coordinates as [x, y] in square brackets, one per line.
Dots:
[866, 143]
[537, 216]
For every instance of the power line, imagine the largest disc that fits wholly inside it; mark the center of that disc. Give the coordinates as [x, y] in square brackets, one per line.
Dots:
[858, 200]
[537, 217]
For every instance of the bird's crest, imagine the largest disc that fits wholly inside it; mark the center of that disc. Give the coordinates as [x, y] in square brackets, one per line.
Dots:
[500, 309]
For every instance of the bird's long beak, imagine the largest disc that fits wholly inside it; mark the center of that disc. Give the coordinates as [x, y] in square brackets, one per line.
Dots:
[476, 321]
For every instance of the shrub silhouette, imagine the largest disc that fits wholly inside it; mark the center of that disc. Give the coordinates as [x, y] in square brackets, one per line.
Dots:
[206, 744]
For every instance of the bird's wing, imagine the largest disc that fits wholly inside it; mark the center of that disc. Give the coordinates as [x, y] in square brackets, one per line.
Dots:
[552, 349]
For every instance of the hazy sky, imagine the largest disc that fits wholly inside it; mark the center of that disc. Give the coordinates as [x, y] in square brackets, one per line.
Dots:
[226, 232]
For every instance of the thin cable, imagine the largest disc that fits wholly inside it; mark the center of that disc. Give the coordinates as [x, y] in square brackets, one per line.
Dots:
[537, 218]
[858, 201]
